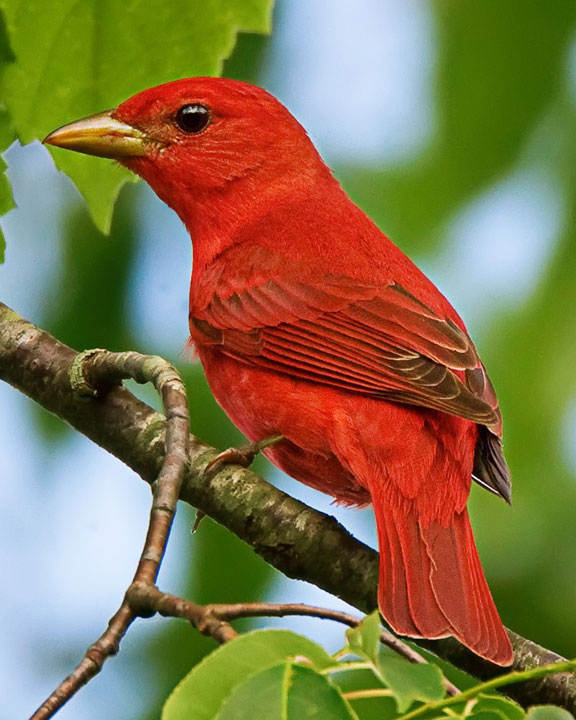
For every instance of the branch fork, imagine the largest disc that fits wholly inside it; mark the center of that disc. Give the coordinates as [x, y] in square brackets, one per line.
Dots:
[92, 374]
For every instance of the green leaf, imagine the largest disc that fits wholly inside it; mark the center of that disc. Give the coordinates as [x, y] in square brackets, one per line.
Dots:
[286, 692]
[548, 712]
[412, 681]
[76, 58]
[6, 132]
[6, 203]
[364, 692]
[500, 706]
[364, 639]
[6, 199]
[200, 694]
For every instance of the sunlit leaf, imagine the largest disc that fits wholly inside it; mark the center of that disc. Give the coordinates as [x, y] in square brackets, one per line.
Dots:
[77, 58]
[286, 692]
[203, 690]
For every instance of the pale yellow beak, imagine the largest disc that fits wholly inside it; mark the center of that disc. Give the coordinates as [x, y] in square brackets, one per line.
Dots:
[101, 135]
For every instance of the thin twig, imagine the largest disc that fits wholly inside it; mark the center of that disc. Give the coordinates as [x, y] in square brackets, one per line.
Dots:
[152, 599]
[91, 374]
[214, 619]
[241, 610]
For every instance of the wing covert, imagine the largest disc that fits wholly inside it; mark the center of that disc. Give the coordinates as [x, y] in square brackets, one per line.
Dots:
[382, 342]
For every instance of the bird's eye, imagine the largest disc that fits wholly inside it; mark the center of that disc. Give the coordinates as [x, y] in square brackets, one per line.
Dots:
[193, 118]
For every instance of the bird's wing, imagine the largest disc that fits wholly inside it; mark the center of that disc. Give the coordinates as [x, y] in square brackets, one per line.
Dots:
[376, 341]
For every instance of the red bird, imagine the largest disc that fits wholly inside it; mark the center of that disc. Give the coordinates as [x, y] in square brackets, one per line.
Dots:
[310, 323]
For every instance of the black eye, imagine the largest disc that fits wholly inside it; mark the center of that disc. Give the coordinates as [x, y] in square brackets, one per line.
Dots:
[193, 118]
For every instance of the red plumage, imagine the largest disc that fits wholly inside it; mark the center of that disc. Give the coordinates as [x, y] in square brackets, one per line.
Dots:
[311, 324]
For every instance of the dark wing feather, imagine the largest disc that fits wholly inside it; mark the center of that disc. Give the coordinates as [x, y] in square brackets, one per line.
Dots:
[490, 469]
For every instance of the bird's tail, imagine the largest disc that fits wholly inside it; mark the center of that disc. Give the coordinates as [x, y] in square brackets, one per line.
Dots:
[432, 584]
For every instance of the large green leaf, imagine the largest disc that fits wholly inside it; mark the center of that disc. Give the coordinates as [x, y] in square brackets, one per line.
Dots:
[286, 692]
[201, 693]
[76, 58]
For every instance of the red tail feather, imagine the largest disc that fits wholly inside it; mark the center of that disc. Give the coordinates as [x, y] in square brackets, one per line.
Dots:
[432, 584]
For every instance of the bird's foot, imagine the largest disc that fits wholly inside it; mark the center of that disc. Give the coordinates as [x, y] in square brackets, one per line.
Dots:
[243, 455]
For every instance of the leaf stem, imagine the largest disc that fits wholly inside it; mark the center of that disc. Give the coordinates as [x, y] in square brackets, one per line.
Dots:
[361, 694]
[345, 666]
[508, 679]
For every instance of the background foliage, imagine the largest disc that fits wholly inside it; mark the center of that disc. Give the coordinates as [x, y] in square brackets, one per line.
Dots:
[480, 190]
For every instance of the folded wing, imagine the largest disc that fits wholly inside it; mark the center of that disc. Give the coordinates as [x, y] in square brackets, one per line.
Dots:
[382, 342]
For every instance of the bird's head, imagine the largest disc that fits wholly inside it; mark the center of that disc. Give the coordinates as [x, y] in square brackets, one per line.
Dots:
[196, 135]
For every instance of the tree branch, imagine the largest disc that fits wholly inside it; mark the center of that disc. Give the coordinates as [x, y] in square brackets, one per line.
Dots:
[286, 533]
[91, 373]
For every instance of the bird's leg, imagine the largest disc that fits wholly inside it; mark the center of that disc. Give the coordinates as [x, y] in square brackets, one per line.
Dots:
[243, 455]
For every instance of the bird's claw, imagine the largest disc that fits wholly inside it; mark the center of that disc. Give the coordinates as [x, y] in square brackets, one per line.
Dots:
[243, 455]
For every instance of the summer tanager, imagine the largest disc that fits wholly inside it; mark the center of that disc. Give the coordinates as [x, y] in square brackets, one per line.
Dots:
[311, 324]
